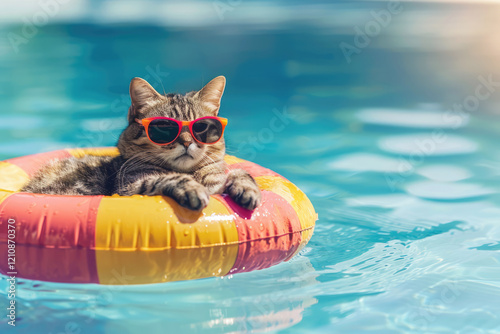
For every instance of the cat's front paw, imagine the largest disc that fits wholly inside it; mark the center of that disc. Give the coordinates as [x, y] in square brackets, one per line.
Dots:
[241, 187]
[191, 195]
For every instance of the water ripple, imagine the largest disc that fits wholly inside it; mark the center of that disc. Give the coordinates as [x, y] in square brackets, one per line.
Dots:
[408, 118]
[427, 144]
[444, 173]
[447, 191]
[368, 162]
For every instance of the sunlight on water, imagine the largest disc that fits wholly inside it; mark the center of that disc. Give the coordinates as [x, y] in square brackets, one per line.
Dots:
[445, 173]
[427, 144]
[447, 191]
[408, 118]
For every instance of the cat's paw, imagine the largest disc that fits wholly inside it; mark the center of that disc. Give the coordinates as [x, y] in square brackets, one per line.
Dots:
[191, 195]
[241, 187]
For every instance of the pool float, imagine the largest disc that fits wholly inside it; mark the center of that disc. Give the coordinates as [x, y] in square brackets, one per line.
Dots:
[144, 239]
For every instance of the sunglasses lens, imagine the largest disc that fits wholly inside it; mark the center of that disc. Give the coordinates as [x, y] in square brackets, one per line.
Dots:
[163, 131]
[207, 130]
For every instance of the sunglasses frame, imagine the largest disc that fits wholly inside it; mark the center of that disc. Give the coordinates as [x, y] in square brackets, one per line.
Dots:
[147, 121]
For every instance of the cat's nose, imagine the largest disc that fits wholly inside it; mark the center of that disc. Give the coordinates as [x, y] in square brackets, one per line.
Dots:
[185, 139]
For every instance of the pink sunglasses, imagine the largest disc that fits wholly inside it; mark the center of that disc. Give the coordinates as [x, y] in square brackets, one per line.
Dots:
[165, 130]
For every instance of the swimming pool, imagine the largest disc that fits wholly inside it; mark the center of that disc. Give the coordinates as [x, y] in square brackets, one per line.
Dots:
[406, 186]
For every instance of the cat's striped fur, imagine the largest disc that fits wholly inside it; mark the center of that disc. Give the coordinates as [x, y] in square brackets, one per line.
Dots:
[185, 170]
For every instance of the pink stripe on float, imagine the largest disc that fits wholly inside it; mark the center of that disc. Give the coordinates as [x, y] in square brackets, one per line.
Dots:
[32, 163]
[253, 169]
[55, 236]
[271, 236]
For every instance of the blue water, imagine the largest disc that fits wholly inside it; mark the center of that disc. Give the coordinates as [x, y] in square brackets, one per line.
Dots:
[407, 191]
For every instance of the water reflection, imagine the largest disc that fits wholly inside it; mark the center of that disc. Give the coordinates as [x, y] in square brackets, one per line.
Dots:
[250, 302]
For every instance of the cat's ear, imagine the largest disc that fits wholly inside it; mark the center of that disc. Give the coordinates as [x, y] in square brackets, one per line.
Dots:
[142, 95]
[211, 94]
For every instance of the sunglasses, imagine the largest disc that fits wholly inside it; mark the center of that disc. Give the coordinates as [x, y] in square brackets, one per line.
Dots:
[164, 130]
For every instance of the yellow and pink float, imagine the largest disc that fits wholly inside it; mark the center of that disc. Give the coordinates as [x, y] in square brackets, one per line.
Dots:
[143, 239]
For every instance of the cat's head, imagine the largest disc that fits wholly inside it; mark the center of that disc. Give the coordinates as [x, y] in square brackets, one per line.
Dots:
[184, 154]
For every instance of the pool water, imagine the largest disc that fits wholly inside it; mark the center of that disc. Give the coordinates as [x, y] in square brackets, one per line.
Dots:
[406, 188]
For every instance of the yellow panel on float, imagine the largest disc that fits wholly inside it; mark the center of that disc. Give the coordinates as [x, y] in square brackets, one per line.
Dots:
[297, 199]
[229, 159]
[99, 151]
[172, 243]
[3, 196]
[12, 178]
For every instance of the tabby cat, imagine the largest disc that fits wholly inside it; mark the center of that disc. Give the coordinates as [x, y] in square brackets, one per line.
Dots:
[187, 169]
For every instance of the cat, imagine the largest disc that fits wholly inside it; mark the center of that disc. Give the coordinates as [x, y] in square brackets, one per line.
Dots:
[185, 170]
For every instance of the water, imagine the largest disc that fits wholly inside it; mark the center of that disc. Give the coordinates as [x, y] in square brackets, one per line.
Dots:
[406, 189]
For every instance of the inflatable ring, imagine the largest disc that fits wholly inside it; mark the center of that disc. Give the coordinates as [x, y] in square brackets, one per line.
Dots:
[144, 239]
